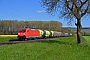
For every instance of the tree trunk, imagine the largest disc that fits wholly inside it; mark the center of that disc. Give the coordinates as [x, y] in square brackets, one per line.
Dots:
[79, 33]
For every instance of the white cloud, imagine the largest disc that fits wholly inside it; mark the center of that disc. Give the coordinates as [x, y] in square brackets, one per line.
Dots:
[41, 11]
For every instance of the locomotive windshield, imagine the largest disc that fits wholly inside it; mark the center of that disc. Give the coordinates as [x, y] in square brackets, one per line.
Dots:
[22, 31]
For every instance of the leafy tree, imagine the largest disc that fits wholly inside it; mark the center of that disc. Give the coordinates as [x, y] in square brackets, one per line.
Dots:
[11, 26]
[69, 9]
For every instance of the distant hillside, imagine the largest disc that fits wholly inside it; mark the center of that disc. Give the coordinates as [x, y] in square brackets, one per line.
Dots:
[84, 29]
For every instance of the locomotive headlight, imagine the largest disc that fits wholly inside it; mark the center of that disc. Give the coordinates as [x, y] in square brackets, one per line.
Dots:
[18, 33]
[23, 33]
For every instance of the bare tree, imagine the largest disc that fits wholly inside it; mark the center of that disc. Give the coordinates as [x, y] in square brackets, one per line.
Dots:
[69, 9]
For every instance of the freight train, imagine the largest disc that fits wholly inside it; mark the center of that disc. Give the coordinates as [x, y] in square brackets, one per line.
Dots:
[28, 33]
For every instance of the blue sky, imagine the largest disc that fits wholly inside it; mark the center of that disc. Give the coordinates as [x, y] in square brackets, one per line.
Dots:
[30, 10]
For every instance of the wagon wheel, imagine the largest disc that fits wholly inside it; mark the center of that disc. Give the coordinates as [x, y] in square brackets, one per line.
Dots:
[43, 36]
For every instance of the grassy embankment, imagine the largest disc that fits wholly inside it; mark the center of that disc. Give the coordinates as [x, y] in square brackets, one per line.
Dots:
[57, 49]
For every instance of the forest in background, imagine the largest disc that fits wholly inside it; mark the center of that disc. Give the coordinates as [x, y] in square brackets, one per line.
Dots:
[11, 26]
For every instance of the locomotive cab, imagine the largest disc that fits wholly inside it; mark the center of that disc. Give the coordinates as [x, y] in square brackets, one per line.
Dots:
[22, 33]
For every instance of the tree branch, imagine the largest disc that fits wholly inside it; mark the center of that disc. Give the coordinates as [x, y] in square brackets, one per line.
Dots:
[67, 4]
[80, 1]
[74, 3]
[85, 11]
[82, 4]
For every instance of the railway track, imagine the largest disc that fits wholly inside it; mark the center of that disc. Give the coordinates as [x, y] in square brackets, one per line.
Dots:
[27, 41]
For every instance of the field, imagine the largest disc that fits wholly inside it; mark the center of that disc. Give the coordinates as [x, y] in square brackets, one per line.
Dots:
[5, 38]
[65, 48]
[87, 39]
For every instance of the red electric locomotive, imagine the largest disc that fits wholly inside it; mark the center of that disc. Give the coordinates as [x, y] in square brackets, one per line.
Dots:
[27, 33]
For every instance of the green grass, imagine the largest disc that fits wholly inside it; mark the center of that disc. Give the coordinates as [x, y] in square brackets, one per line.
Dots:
[57, 49]
[8, 35]
[87, 39]
[5, 38]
